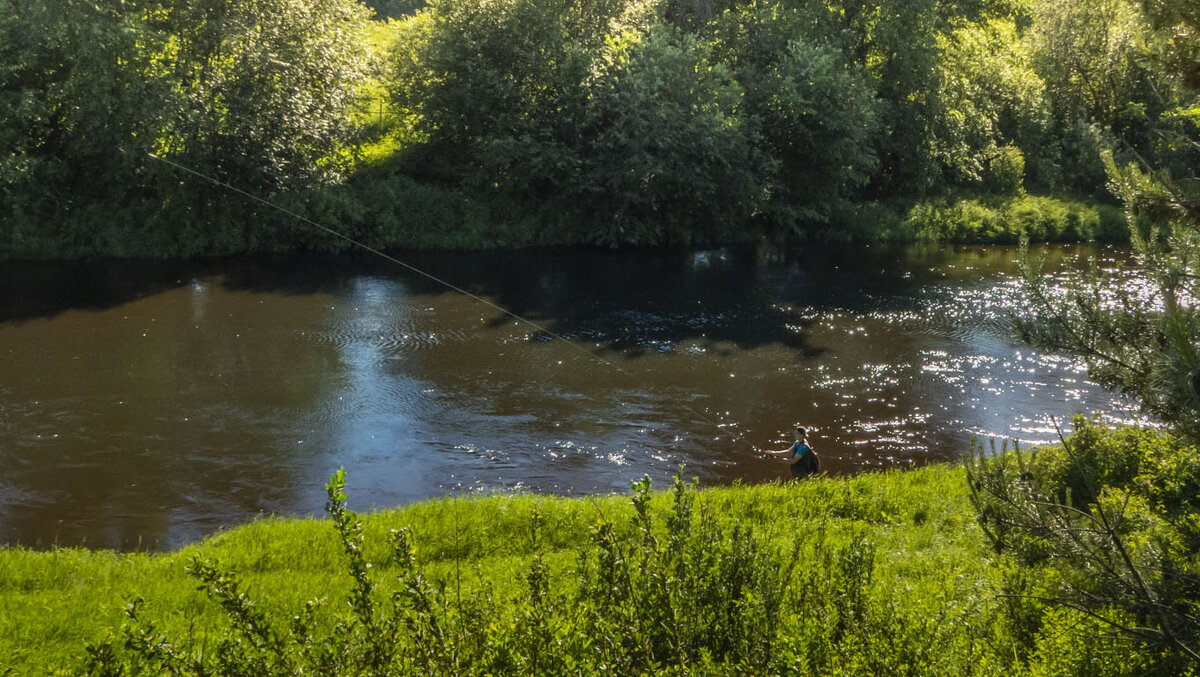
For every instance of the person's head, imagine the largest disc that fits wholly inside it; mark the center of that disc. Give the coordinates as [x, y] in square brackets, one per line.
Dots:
[801, 432]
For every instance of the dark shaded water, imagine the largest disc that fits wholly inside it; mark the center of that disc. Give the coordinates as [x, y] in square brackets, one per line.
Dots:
[145, 405]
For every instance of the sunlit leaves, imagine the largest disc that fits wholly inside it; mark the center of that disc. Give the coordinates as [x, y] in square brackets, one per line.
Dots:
[669, 157]
[988, 91]
[265, 87]
[254, 93]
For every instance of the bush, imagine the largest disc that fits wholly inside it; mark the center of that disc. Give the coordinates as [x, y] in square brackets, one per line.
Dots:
[1005, 171]
[692, 594]
[1108, 519]
[669, 591]
[965, 221]
[1008, 220]
[869, 222]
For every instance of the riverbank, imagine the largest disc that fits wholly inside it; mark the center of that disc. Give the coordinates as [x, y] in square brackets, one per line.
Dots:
[635, 128]
[891, 571]
[412, 215]
[385, 212]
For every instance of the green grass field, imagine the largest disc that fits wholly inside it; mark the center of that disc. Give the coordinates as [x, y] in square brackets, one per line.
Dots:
[927, 552]
[890, 575]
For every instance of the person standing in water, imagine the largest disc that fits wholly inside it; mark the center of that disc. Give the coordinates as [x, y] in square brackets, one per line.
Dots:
[800, 457]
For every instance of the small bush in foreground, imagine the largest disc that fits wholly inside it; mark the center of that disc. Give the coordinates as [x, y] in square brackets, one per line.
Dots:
[1107, 523]
[670, 591]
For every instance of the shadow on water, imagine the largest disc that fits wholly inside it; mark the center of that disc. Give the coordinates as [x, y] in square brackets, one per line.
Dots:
[31, 290]
[630, 302]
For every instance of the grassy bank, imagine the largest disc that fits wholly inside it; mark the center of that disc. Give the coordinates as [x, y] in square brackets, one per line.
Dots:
[927, 559]
[876, 573]
[982, 219]
[1007, 219]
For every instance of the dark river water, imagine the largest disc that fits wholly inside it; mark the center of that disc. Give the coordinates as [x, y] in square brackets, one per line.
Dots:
[144, 405]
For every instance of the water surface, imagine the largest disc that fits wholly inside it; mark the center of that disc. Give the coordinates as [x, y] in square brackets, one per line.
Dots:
[148, 404]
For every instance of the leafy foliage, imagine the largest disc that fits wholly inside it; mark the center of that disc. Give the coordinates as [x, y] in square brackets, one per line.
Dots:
[564, 121]
[665, 592]
[815, 116]
[73, 129]
[1087, 55]
[669, 157]
[1032, 218]
[265, 87]
[253, 93]
[1143, 339]
[990, 96]
[1112, 515]
[1110, 518]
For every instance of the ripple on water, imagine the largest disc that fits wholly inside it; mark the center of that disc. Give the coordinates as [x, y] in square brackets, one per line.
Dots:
[389, 342]
[958, 313]
[494, 458]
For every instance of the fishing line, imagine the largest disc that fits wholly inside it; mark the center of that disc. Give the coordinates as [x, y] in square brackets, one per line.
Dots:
[363, 245]
[418, 271]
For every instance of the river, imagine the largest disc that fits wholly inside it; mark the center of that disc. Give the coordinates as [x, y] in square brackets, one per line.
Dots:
[144, 405]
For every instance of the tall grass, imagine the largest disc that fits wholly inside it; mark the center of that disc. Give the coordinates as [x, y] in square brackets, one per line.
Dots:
[1007, 220]
[713, 578]
[877, 574]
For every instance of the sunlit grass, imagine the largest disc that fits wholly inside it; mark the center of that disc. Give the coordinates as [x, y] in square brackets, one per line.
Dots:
[930, 558]
[1007, 218]
[385, 128]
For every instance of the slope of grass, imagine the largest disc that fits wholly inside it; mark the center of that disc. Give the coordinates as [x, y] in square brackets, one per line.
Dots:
[929, 560]
[883, 573]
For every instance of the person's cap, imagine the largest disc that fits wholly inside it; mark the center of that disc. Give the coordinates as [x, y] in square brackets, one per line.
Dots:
[802, 430]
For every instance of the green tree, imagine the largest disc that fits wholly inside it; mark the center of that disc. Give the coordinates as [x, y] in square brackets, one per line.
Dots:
[80, 105]
[499, 91]
[264, 88]
[669, 157]
[1140, 336]
[1102, 93]
[911, 52]
[816, 117]
[990, 98]
[1113, 515]
[1087, 52]
[592, 118]
[253, 93]
[481, 74]
[896, 41]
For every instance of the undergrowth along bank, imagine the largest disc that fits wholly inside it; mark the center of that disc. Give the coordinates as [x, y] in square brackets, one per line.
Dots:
[879, 546]
[1006, 220]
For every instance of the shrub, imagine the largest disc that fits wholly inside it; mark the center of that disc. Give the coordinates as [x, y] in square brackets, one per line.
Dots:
[1109, 519]
[1008, 220]
[695, 593]
[869, 222]
[1005, 171]
[661, 591]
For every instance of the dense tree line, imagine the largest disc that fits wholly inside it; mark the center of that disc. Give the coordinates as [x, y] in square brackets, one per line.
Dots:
[541, 121]
[254, 93]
